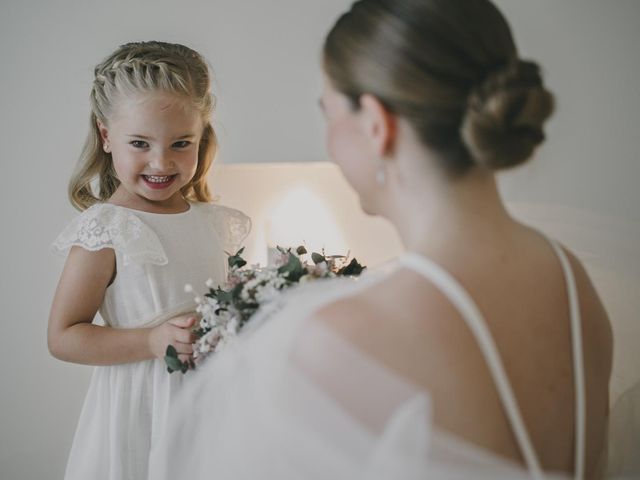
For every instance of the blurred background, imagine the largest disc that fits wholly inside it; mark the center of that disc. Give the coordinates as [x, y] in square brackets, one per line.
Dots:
[581, 188]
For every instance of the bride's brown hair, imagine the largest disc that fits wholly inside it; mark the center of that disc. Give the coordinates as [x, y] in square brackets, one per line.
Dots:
[450, 68]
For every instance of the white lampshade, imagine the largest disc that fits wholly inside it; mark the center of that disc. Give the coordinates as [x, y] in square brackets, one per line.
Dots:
[292, 204]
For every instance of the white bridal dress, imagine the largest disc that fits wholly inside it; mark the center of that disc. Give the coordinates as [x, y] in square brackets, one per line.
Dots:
[290, 399]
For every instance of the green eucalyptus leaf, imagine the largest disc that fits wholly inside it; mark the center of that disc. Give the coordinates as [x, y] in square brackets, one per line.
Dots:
[236, 261]
[171, 351]
[173, 363]
[224, 296]
[234, 295]
[353, 269]
[317, 258]
[293, 269]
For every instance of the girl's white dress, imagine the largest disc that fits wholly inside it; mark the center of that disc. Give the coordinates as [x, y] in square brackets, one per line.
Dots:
[156, 255]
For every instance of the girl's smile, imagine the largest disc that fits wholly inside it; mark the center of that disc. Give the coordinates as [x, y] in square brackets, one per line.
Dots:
[159, 182]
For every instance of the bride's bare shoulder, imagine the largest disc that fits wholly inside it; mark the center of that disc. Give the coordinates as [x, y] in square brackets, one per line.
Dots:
[596, 327]
[402, 322]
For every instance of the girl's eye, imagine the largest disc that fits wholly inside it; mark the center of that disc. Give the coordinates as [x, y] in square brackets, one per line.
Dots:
[181, 144]
[139, 144]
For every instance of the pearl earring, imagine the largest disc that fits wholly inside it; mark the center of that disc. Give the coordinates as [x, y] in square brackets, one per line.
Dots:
[381, 176]
[105, 147]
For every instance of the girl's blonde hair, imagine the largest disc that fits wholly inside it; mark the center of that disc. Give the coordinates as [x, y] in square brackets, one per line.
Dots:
[135, 68]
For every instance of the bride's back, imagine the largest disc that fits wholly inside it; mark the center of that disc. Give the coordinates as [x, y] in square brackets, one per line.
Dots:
[425, 101]
[407, 324]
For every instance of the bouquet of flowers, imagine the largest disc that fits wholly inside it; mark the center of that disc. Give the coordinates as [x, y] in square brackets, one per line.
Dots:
[226, 310]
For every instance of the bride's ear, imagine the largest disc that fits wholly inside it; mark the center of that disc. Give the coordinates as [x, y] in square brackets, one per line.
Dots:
[379, 123]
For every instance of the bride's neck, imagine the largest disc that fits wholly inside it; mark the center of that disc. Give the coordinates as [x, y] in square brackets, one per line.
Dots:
[432, 212]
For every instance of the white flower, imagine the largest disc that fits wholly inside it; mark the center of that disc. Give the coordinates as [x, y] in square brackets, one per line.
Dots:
[224, 316]
[232, 326]
[245, 295]
[252, 283]
[204, 323]
[211, 338]
[266, 293]
[320, 269]
[206, 309]
[188, 288]
[212, 304]
[209, 283]
[198, 299]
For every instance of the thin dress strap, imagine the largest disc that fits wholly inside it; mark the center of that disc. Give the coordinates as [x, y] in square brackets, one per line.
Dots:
[476, 323]
[459, 297]
[578, 363]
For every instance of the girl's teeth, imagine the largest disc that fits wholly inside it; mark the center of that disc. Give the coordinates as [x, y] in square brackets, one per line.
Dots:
[156, 179]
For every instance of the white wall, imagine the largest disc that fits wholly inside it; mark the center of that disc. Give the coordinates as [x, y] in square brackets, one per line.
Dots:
[589, 52]
[264, 54]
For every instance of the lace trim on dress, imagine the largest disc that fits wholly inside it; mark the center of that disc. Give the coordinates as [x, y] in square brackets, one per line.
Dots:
[107, 226]
[232, 225]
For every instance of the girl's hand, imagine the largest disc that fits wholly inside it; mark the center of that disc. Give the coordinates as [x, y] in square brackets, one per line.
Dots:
[176, 332]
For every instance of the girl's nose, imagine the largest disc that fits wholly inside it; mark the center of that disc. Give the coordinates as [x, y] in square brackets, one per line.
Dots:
[161, 161]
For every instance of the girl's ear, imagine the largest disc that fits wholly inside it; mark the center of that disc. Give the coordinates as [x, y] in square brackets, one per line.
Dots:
[380, 124]
[104, 132]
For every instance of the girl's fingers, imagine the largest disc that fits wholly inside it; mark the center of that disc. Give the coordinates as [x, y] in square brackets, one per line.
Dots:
[185, 321]
[184, 358]
[183, 348]
[185, 336]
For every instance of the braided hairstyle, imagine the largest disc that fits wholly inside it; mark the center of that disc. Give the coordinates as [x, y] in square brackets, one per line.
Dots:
[451, 69]
[135, 68]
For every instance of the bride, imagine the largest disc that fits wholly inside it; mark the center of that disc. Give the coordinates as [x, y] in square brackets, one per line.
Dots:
[483, 352]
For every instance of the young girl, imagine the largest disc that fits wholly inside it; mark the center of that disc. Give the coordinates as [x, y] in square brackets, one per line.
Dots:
[148, 231]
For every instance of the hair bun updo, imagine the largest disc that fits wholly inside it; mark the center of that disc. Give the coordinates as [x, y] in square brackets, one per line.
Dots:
[505, 115]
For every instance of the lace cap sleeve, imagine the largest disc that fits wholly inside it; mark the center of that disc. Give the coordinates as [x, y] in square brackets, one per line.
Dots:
[108, 226]
[232, 225]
